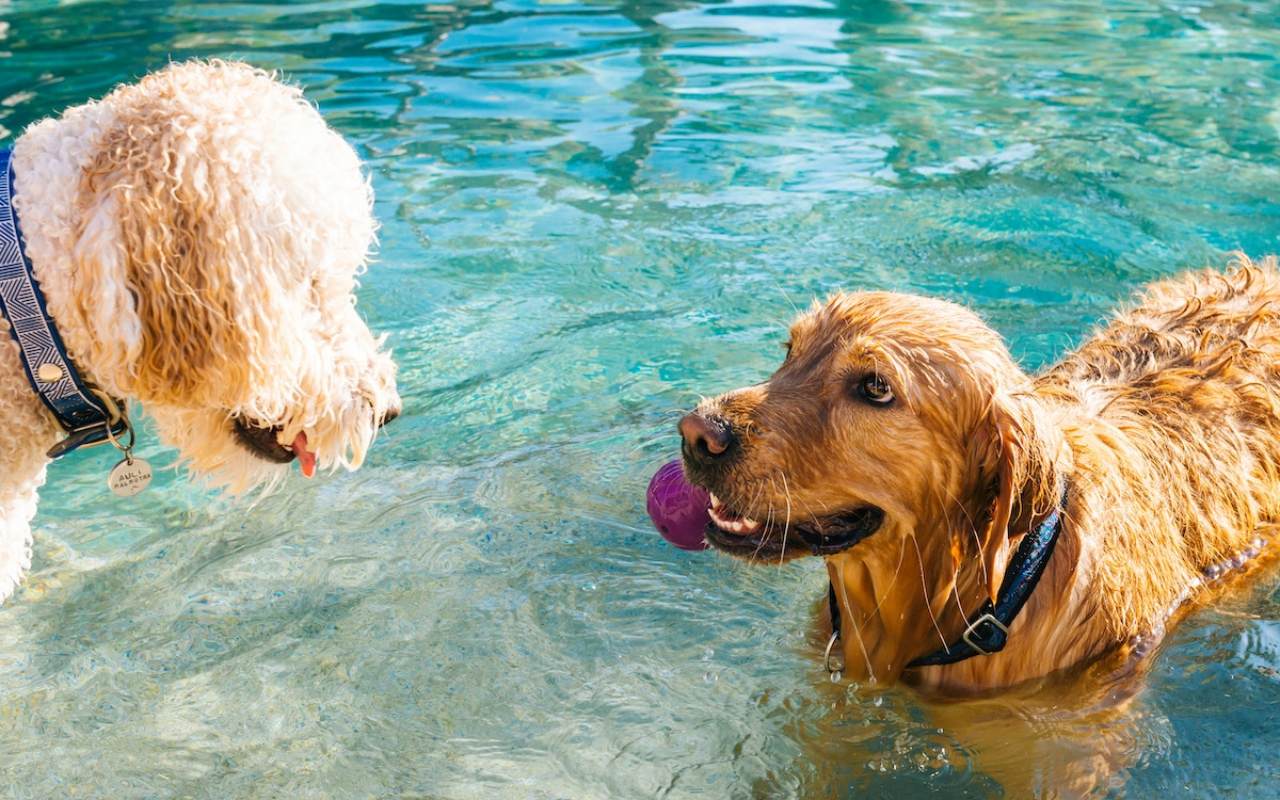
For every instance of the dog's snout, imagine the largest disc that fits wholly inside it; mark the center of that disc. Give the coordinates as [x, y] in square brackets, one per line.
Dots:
[706, 438]
[389, 416]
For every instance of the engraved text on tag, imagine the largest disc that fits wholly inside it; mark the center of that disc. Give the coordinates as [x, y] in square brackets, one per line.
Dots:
[129, 477]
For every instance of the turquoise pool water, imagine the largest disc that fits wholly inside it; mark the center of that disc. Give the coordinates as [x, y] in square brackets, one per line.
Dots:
[591, 213]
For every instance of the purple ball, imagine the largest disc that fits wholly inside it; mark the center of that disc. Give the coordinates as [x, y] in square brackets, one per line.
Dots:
[678, 508]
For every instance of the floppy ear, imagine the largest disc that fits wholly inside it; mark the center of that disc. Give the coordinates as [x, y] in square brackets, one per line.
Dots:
[995, 539]
[1012, 466]
[177, 250]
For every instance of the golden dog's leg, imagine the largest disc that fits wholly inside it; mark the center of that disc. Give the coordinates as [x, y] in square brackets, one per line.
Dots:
[1070, 736]
[1075, 734]
[1057, 740]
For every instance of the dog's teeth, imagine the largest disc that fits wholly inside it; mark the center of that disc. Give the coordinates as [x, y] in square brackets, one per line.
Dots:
[740, 525]
[715, 501]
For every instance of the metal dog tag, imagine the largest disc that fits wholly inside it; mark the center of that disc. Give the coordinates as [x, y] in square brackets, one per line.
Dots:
[129, 477]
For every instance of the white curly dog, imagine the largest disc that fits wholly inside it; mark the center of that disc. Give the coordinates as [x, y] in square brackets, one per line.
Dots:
[197, 236]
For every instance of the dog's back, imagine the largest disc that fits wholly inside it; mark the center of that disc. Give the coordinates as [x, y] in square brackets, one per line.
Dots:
[1196, 321]
[1174, 413]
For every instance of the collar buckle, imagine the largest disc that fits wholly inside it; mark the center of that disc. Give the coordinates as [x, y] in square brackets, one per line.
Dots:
[986, 642]
[89, 436]
[989, 633]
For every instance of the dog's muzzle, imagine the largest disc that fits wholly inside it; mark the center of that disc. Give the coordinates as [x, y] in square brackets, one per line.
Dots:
[750, 539]
[262, 441]
[835, 534]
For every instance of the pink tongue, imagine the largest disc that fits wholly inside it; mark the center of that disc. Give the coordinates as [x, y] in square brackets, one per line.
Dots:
[306, 458]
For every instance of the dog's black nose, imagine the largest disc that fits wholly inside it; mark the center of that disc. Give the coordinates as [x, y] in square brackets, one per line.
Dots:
[389, 415]
[705, 438]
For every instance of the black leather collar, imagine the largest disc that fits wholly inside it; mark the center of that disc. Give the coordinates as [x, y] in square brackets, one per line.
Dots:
[989, 632]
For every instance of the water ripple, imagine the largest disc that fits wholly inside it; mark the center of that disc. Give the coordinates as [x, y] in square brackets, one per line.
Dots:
[593, 212]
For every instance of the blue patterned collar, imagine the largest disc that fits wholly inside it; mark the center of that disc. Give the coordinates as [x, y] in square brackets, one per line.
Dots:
[88, 417]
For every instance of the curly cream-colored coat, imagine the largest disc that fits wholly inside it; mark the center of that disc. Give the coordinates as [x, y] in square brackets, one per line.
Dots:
[1163, 429]
[197, 237]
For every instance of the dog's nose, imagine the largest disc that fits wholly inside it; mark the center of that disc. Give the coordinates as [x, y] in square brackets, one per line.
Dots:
[390, 414]
[705, 438]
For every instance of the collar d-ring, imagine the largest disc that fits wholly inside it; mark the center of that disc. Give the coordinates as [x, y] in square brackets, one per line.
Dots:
[831, 654]
[118, 415]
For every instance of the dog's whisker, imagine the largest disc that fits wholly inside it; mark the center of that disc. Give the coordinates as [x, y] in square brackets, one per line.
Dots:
[955, 592]
[755, 498]
[977, 544]
[924, 587]
[794, 310]
[782, 553]
[857, 629]
[902, 555]
[812, 516]
[954, 589]
[768, 527]
[764, 537]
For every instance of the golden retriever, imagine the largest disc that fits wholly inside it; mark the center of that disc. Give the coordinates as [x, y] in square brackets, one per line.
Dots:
[899, 441]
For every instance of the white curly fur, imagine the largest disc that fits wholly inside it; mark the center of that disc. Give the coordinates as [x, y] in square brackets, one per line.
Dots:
[197, 237]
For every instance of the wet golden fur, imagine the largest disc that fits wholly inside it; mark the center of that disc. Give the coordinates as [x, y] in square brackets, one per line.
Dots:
[1163, 428]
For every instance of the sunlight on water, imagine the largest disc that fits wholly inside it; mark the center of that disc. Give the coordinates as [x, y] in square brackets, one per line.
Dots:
[591, 213]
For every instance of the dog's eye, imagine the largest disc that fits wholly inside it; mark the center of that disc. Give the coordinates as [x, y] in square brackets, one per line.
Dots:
[875, 390]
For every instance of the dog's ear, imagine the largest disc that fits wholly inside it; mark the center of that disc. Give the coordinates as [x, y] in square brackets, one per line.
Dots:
[1011, 462]
[161, 245]
[995, 539]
